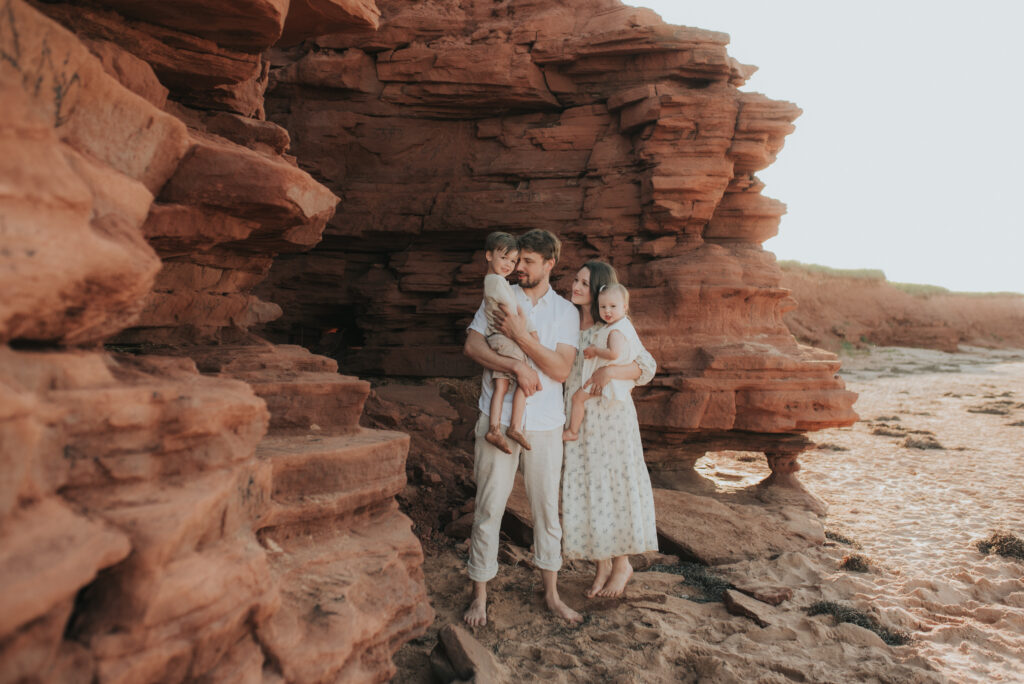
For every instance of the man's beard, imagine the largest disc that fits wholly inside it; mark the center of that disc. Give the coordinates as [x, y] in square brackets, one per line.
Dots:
[526, 283]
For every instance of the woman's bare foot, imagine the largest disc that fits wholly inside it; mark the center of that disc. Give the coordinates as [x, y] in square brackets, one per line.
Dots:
[518, 437]
[495, 437]
[616, 584]
[604, 569]
[556, 606]
[569, 436]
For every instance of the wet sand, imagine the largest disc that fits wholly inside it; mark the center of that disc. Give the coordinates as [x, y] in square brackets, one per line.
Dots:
[915, 513]
[918, 512]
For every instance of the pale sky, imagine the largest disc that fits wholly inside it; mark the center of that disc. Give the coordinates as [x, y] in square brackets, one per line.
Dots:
[908, 155]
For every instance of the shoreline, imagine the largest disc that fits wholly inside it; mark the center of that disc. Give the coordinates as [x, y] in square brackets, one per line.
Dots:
[963, 610]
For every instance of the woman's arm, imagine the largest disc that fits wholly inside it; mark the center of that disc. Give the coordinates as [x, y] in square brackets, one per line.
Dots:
[641, 371]
[605, 374]
[647, 365]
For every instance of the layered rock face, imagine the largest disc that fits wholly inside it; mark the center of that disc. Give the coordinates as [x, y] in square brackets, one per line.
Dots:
[627, 137]
[206, 507]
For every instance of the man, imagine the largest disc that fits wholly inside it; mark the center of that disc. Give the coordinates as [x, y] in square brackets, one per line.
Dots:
[552, 352]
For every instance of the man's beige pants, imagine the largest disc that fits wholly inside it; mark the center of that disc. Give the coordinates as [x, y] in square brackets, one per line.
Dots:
[495, 473]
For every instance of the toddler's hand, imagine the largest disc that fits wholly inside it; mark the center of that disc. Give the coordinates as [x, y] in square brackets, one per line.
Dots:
[590, 352]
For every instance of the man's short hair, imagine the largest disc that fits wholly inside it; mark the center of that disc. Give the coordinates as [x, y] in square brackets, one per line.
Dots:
[542, 242]
[501, 242]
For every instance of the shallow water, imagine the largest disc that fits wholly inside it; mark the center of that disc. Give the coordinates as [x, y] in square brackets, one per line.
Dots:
[918, 513]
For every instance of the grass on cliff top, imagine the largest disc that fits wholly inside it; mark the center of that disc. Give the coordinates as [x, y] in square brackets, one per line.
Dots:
[915, 289]
[1004, 544]
[920, 290]
[844, 613]
[863, 273]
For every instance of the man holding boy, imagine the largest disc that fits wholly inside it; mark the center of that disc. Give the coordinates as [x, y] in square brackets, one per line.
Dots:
[552, 352]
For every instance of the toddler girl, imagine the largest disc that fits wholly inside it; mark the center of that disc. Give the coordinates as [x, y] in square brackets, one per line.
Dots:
[615, 344]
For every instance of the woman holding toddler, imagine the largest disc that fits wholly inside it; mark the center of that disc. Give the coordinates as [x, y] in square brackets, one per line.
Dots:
[607, 502]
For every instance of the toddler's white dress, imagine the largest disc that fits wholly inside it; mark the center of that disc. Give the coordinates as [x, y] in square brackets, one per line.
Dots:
[618, 390]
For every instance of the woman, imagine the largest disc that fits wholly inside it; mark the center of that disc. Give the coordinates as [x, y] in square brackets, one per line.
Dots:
[607, 502]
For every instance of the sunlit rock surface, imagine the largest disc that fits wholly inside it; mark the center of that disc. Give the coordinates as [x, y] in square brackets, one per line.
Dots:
[627, 137]
[190, 503]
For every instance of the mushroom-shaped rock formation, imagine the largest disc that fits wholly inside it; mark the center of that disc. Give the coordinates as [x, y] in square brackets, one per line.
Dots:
[627, 137]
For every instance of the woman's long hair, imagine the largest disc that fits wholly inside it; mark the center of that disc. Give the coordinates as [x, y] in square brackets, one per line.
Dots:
[601, 274]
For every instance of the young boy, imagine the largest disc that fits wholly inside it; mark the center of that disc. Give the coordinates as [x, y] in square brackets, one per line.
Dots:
[502, 251]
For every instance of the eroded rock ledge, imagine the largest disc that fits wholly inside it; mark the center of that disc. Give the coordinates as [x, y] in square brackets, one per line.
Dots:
[191, 503]
[627, 137]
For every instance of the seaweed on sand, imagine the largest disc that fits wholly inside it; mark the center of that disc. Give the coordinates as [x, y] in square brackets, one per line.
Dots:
[711, 585]
[846, 613]
[855, 563]
[841, 538]
[1003, 543]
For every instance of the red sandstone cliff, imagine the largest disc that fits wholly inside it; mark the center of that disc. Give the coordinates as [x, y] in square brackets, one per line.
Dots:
[188, 511]
[194, 503]
[627, 137]
[834, 309]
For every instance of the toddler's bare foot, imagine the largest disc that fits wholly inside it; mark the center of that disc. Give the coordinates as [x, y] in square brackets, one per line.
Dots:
[616, 584]
[476, 614]
[495, 437]
[604, 569]
[519, 438]
[563, 611]
[569, 436]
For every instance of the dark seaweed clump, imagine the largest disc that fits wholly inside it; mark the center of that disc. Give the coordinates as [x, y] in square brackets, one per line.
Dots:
[855, 563]
[1004, 544]
[841, 538]
[845, 613]
[711, 586]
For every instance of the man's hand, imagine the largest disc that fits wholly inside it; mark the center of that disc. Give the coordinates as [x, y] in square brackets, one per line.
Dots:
[512, 324]
[590, 352]
[528, 379]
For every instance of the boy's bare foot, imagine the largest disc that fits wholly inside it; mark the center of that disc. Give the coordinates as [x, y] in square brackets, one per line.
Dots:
[518, 437]
[616, 584]
[556, 606]
[495, 437]
[569, 436]
[604, 569]
[476, 614]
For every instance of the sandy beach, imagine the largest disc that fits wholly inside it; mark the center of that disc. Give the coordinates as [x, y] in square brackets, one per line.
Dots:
[932, 467]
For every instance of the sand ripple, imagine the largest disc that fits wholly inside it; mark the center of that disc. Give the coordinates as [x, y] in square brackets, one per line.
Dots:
[919, 512]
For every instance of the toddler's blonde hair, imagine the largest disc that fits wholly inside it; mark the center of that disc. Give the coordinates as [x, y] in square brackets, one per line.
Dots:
[616, 287]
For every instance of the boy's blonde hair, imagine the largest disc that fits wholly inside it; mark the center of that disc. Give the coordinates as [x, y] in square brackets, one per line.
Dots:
[616, 287]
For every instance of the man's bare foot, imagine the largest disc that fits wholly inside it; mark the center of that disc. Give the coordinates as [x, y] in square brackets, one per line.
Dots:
[519, 438]
[476, 614]
[495, 437]
[616, 584]
[569, 436]
[604, 569]
[556, 606]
